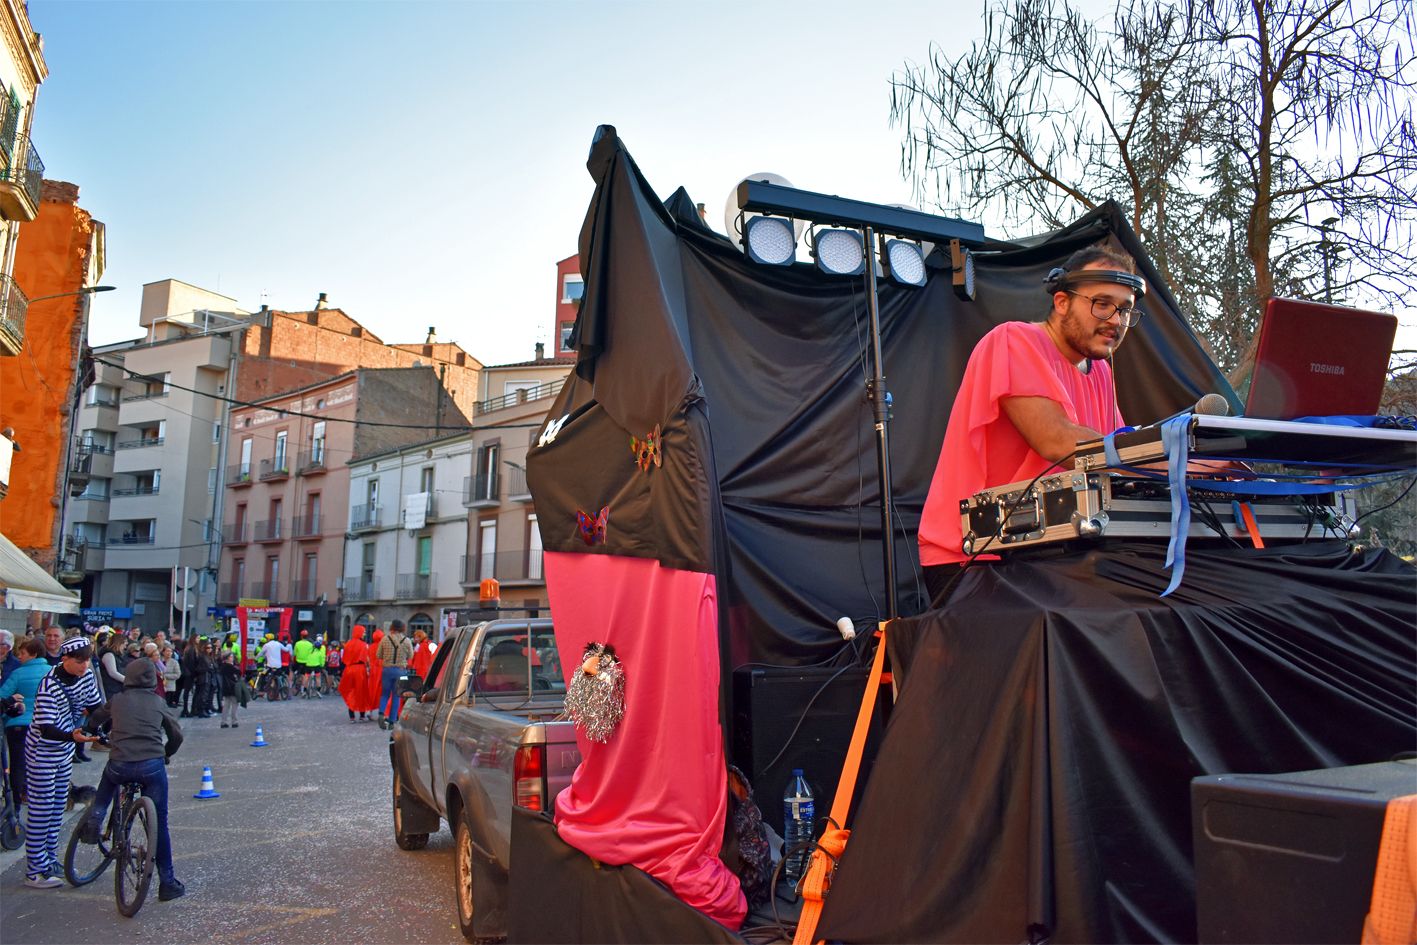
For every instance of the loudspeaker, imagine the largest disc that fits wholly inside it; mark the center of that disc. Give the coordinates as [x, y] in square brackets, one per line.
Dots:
[767, 704]
[1290, 857]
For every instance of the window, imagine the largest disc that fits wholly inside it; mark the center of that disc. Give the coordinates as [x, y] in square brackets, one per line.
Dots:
[317, 443]
[514, 661]
[245, 471]
[240, 525]
[211, 481]
[572, 288]
[485, 488]
[533, 548]
[216, 432]
[486, 548]
[425, 555]
[512, 387]
[425, 480]
[240, 571]
[272, 576]
[373, 494]
[280, 451]
[312, 564]
[566, 329]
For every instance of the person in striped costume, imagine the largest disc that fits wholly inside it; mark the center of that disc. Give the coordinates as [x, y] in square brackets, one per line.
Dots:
[63, 697]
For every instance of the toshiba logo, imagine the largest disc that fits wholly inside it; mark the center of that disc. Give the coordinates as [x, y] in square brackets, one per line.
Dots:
[1316, 368]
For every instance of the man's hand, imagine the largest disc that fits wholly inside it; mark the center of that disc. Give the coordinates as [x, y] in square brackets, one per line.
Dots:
[82, 739]
[1045, 427]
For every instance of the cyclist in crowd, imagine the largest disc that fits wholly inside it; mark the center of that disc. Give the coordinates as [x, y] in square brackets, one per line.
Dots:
[64, 695]
[273, 653]
[301, 652]
[334, 661]
[139, 718]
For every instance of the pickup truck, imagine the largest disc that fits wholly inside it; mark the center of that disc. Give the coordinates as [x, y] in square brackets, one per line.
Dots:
[486, 731]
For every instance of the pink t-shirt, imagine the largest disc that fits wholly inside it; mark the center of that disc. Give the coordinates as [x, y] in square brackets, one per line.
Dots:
[982, 448]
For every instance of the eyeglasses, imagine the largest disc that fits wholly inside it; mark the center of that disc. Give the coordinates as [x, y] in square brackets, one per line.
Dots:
[1104, 308]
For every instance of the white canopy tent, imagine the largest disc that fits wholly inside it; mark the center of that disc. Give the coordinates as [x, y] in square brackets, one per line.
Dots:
[25, 586]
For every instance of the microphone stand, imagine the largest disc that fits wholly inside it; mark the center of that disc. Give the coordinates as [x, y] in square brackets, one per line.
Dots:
[879, 397]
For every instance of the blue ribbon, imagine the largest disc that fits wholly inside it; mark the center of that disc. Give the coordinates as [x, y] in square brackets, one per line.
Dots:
[1176, 441]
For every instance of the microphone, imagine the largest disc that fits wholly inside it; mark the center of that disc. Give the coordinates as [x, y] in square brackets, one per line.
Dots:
[1210, 405]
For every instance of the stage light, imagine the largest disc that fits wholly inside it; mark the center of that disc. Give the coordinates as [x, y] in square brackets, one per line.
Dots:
[904, 262]
[839, 252]
[962, 262]
[770, 240]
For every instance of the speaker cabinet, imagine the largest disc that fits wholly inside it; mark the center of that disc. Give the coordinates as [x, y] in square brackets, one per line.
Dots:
[1290, 857]
[767, 704]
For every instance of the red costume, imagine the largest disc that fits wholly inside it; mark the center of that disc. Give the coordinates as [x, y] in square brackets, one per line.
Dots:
[422, 659]
[354, 684]
[982, 447]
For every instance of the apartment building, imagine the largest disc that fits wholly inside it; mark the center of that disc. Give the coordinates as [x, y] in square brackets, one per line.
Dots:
[22, 69]
[288, 486]
[407, 534]
[504, 533]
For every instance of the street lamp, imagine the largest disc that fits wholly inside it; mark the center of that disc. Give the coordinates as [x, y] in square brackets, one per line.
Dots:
[86, 290]
[1326, 247]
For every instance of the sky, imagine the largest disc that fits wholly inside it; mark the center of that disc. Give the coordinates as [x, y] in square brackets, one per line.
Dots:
[424, 163]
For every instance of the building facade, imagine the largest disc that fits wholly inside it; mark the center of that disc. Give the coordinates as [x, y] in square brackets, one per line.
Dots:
[22, 69]
[288, 485]
[61, 256]
[503, 531]
[570, 286]
[407, 534]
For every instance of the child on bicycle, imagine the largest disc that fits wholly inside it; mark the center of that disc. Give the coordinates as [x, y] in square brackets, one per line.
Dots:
[139, 717]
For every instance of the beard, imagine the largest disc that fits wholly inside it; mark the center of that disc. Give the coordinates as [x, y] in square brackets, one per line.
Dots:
[1088, 336]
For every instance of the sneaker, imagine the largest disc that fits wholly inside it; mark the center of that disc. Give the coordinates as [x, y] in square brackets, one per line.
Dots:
[171, 890]
[43, 882]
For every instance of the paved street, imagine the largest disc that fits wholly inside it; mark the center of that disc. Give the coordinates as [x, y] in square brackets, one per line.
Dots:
[298, 847]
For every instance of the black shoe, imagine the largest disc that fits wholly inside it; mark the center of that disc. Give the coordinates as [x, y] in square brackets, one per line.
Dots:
[169, 891]
[235, 724]
[185, 715]
[82, 758]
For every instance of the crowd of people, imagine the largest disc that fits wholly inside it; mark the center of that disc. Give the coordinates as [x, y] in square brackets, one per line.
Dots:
[56, 687]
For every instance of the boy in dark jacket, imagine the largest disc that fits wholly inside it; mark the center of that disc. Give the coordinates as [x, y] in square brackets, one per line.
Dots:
[139, 718]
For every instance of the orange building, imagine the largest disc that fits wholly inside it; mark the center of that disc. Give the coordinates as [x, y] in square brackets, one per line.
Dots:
[61, 253]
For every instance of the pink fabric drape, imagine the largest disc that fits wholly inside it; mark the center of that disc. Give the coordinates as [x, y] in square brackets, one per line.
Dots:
[654, 795]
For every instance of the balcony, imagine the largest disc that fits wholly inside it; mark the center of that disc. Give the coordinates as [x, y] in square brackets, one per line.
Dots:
[363, 517]
[517, 489]
[361, 588]
[306, 527]
[229, 593]
[278, 468]
[147, 539]
[415, 586]
[303, 591]
[268, 530]
[238, 475]
[481, 490]
[144, 489]
[265, 590]
[139, 442]
[21, 176]
[540, 392]
[237, 534]
[509, 567]
[312, 462]
[430, 509]
[14, 306]
[146, 395]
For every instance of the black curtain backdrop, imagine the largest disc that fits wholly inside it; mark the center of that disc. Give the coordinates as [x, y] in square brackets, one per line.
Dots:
[756, 374]
[1037, 766]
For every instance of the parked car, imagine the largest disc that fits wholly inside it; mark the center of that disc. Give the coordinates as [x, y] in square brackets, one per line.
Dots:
[486, 731]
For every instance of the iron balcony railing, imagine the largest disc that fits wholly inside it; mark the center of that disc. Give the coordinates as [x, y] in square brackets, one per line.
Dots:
[306, 526]
[88, 446]
[268, 530]
[523, 565]
[415, 586]
[516, 483]
[362, 588]
[132, 539]
[480, 488]
[266, 590]
[238, 474]
[140, 441]
[311, 462]
[303, 590]
[14, 307]
[238, 533]
[145, 395]
[229, 593]
[87, 496]
[275, 468]
[136, 490]
[363, 516]
[540, 392]
[23, 166]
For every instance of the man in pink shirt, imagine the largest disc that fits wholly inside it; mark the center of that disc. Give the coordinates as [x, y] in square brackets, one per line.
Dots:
[1030, 392]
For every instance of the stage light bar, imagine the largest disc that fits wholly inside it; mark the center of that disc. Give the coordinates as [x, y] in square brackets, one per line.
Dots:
[904, 262]
[825, 210]
[839, 252]
[770, 241]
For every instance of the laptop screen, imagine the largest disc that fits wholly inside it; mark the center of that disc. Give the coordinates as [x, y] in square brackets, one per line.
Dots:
[1317, 360]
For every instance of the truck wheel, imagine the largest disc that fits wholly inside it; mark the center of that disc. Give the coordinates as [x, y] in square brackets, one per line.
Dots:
[462, 875]
[405, 841]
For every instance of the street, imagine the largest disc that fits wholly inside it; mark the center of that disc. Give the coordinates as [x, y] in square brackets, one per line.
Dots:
[299, 846]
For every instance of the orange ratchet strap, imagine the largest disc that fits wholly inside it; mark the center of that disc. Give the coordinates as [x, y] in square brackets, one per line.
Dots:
[833, 841]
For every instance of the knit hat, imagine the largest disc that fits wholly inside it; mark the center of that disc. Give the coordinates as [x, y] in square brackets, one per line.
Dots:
[73, 645]
[140, 674]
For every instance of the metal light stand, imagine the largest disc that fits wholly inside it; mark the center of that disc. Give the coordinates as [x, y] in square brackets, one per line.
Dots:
[879, 397]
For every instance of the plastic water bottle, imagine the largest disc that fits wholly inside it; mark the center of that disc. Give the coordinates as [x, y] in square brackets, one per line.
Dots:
[798, 815]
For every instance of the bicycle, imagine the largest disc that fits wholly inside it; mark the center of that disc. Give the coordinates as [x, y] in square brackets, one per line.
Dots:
[130, 838]
[12, 830]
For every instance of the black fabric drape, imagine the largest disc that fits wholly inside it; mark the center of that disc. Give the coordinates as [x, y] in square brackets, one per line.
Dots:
[1037, 766]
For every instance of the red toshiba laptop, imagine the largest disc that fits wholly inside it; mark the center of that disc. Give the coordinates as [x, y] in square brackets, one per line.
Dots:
[1317, 360]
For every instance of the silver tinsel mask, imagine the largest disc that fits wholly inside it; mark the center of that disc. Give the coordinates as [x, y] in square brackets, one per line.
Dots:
[595, 698]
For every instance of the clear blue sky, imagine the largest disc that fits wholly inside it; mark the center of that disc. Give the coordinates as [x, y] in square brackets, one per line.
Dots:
[424, 163]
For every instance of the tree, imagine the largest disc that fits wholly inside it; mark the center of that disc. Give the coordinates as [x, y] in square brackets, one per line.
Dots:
[1233, 132]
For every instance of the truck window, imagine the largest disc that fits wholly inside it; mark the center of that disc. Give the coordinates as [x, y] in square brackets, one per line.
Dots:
[518, 662]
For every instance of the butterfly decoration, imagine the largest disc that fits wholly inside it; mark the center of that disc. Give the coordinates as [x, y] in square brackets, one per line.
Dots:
[646, 451]
[592, 530]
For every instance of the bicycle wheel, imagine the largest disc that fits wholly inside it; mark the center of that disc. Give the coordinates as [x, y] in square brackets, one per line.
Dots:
[85, 862]
[135, 856]
[12, 832]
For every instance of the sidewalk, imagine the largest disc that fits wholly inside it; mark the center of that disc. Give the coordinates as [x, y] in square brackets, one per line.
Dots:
[84, 775]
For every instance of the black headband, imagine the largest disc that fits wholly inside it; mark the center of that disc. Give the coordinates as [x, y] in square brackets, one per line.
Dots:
[1060, 279]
